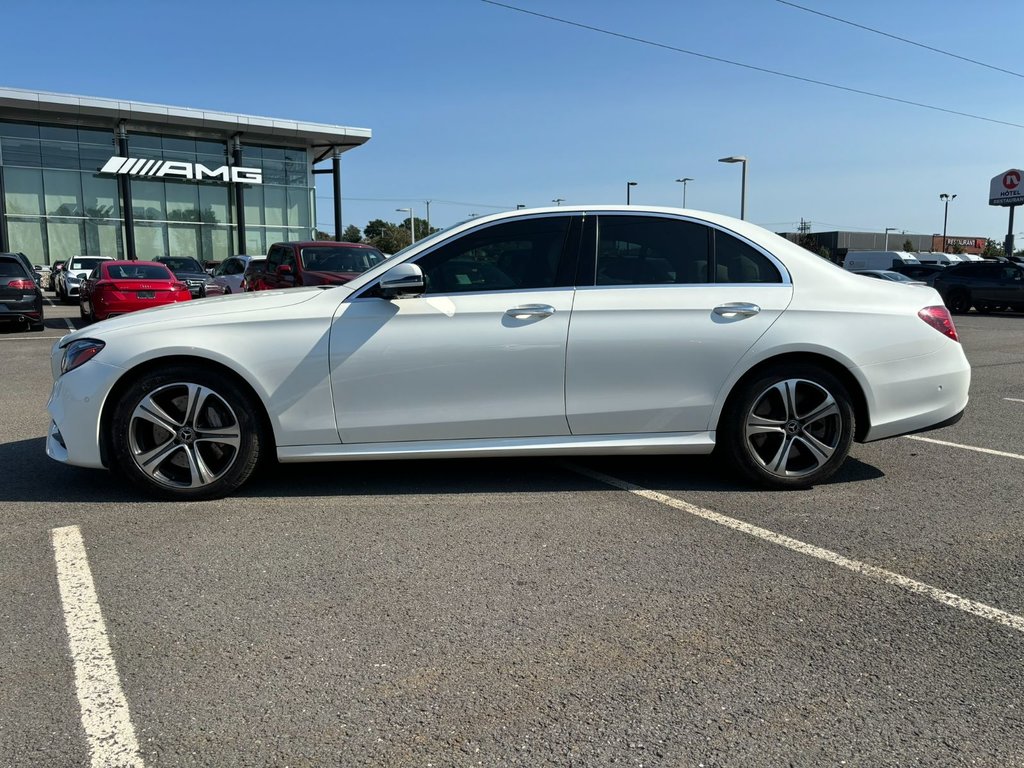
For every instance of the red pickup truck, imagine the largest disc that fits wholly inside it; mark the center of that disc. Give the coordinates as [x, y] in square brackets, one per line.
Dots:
[317, 262]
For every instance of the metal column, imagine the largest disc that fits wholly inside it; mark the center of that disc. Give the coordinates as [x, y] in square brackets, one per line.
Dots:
[336, 174]
[4, 247]
[236, 155]
[125, 183]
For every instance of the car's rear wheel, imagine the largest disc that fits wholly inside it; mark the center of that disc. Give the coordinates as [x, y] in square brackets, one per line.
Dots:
[959, 302]
[187, 433]
[789, 427]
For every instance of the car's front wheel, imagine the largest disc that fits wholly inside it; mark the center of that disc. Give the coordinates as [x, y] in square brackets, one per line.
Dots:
[187, 433]
[789, 427]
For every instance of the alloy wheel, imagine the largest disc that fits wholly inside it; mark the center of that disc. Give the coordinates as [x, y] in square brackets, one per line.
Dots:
[184, 435]
[793, 428]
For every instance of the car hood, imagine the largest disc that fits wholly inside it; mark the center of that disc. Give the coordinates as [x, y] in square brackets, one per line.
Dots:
[190, 275]
[80, 274]
[188, 314]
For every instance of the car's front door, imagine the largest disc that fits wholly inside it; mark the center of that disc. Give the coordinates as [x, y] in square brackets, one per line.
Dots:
[481, 354]
[672, 308]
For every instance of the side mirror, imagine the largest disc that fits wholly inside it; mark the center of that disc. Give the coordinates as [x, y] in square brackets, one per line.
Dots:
[284, 271]
[402, 280]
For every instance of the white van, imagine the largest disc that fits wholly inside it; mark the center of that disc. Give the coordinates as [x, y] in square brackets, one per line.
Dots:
[877, 259]
[945, 259]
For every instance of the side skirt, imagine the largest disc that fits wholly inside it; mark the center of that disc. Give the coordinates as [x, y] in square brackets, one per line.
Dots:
[562, 445]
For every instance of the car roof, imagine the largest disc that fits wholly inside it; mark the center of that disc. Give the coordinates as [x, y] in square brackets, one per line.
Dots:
[329, 243]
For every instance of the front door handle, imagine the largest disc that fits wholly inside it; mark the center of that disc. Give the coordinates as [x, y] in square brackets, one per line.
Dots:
[737, 309]
[531, 310]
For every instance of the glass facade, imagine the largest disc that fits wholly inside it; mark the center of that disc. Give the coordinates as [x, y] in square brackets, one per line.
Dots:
[57, 205]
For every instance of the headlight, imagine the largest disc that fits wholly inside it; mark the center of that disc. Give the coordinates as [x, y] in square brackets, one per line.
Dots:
[72, 279]
[78, 352]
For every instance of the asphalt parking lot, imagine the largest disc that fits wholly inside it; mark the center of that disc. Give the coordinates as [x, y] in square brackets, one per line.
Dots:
[524, 612]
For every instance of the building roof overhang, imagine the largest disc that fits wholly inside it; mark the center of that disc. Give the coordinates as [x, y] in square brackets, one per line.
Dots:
[58, 108]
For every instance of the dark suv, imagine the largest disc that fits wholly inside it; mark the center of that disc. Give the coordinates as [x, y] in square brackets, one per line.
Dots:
[21, 299]
[985, 285]
[319, 262]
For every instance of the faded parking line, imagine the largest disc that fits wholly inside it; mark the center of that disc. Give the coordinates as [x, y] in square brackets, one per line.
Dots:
[1014, 399]
[105, 716]
[991, 451]
[950, 599]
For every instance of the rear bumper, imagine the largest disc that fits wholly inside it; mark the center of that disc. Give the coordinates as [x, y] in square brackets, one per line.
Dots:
[916, 394]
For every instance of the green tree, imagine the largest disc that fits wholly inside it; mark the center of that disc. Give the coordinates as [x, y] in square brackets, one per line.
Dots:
[992, 250]
[352, 234]
[319, 234]
[388, 237]
[908, 246]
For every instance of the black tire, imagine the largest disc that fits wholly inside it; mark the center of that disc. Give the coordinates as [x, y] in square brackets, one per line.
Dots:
[204, 446]
[791, 426]
[37, 326]
[958, 302]
[87, 317]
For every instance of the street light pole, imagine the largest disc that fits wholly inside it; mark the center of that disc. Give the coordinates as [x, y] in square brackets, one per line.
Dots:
[683, 182]
[887, 231]
[743, 183]
[412, 224]
[558, 200]
[628, 185]
[945, 216]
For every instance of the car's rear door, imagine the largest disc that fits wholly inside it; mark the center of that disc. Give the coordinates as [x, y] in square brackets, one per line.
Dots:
[672, 306]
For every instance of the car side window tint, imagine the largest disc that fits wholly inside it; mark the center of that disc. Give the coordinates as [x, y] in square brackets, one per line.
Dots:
[517, 255]
[738, 262]
[650, 250]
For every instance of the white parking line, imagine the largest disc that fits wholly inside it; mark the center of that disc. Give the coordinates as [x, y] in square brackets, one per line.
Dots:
[1014, 399]
[105, 716]
[975, 448]
[68, 321]
[889, 577]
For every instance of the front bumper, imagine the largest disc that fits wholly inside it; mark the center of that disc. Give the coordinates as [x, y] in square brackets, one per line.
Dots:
[75, 405]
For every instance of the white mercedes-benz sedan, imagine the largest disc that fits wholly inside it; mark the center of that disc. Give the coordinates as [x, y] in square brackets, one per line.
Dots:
[555, 331]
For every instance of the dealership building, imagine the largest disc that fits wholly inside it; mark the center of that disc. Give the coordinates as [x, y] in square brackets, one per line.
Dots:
[105, 177]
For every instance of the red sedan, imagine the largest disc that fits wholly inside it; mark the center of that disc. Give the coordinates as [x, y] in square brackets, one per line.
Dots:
[117, 287]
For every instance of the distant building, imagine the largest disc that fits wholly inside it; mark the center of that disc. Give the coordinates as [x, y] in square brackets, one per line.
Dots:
[841, 243]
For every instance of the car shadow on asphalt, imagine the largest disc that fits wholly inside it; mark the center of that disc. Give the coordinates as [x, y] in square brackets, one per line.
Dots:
[31, 476]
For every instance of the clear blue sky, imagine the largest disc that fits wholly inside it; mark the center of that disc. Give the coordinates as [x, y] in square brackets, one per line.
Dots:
[479, 108]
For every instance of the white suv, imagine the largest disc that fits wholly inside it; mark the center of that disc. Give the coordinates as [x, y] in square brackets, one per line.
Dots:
[76, 269]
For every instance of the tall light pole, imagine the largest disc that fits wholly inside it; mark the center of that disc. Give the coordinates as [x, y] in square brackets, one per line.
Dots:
[412, 224]
[887, 231]
[683, 182]
[428, 202]
[945, 216]
[743, 183]
[558, 200]
[628, 185]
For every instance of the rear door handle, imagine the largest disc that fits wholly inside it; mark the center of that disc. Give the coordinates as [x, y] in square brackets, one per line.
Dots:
[736, 309]
[531, 310]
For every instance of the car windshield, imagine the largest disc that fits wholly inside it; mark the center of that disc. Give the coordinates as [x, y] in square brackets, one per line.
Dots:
[87, 264]
[138, 272]
[335, 258]
[183, 264]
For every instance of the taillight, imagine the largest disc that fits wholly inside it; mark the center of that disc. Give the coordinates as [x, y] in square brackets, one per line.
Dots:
[939, 319]
[179, 287]
[22, 285]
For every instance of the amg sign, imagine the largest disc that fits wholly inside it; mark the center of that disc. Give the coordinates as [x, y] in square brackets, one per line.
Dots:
[181, 170]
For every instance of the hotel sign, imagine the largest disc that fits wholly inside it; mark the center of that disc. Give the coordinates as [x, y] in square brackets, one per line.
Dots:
[1007, 189]
[176, 169]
